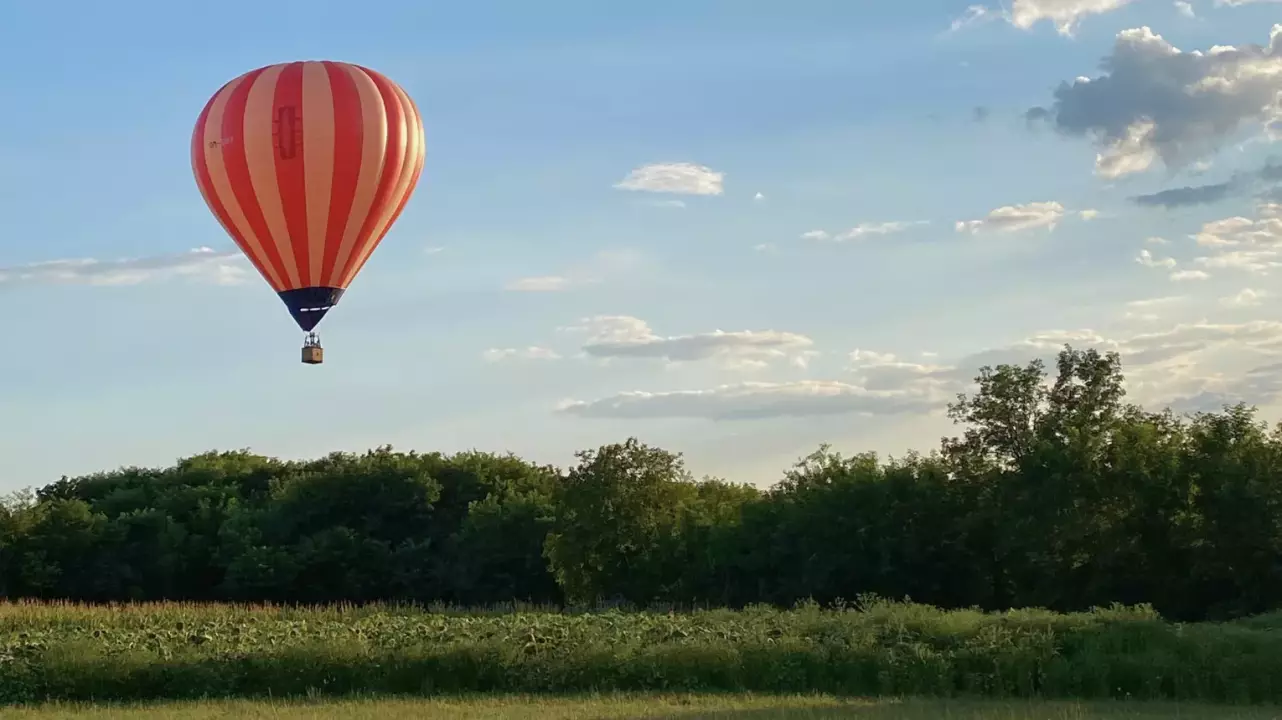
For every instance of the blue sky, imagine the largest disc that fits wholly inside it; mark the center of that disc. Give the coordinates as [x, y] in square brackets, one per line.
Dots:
[819, 156]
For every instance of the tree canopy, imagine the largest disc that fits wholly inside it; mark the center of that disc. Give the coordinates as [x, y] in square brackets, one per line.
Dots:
[1057, 493]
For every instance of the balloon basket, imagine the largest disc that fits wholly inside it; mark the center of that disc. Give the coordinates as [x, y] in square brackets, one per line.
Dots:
[313, 353]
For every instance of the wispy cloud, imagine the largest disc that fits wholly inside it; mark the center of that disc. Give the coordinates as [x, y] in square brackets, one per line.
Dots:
[1147, 259]
[603, 265]
[200, 265]
[1164, 367]
[973, 15]
[1246, 298]
[541, 283]
[1239, 184]
[672, 204]
[674, 177]
[1150, 309]
[1012, 218]
[533, 352]
[624, 336]
[864, 230]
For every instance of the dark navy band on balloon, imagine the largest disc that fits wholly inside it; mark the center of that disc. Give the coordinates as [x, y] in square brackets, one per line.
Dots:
[308, 305]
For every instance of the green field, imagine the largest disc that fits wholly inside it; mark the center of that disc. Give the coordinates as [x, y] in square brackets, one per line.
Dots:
[177, 652]
[685, 707]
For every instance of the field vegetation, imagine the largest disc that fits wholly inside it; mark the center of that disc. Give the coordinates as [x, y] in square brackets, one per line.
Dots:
[645, 706]
[148, 652]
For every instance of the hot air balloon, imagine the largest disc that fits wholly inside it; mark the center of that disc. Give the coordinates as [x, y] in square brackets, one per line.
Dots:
[306, 165]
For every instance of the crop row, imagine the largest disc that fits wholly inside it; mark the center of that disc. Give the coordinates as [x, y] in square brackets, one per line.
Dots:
[173, 651]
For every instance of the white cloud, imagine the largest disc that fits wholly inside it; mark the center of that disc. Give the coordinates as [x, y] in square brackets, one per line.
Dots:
[1261, 232]
[1246, 298]
[623, 336]
[1185, 9]
[201, 265]
[1156, 102]
[681, 177]
[528, 353]
[1253, 245]
[815, 235]
[1012, 218]
[433, 250]
[1157, 240]
[759, 197]
[765, 247]
[1180, 365]
[1088, 214]
[602, 265]
[1064, 14]
[1182, 275]
[1132, 152]
[1146, 259]
[1025, 14]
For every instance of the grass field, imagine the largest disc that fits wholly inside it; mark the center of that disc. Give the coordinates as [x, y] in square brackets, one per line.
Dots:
[189, 652]
[726, 707]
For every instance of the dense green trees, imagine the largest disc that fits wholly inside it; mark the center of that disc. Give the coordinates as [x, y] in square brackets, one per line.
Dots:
[1056, 494]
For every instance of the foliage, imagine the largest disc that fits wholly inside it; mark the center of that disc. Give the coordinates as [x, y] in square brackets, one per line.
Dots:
[176, 651]
[638, 706]
[1057, 493]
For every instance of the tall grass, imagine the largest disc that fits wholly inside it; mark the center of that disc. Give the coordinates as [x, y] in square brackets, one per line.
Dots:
[183, 651]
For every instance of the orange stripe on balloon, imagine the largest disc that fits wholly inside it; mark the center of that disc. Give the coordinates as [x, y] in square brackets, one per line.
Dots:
[384, 200]
[416, 165]
[413, 142]
[404, 182]
[211, 177]
[236, 184]
[346, 145]
[373, 150]
[260, 159]
[201, 171]
[416, 157]
[318, 160]
[419, 162]
[289, 163]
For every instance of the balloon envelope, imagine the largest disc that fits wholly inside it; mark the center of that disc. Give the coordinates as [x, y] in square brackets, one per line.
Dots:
[307, 165]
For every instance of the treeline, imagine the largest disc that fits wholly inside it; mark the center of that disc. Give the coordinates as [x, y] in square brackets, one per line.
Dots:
[1057, 494]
